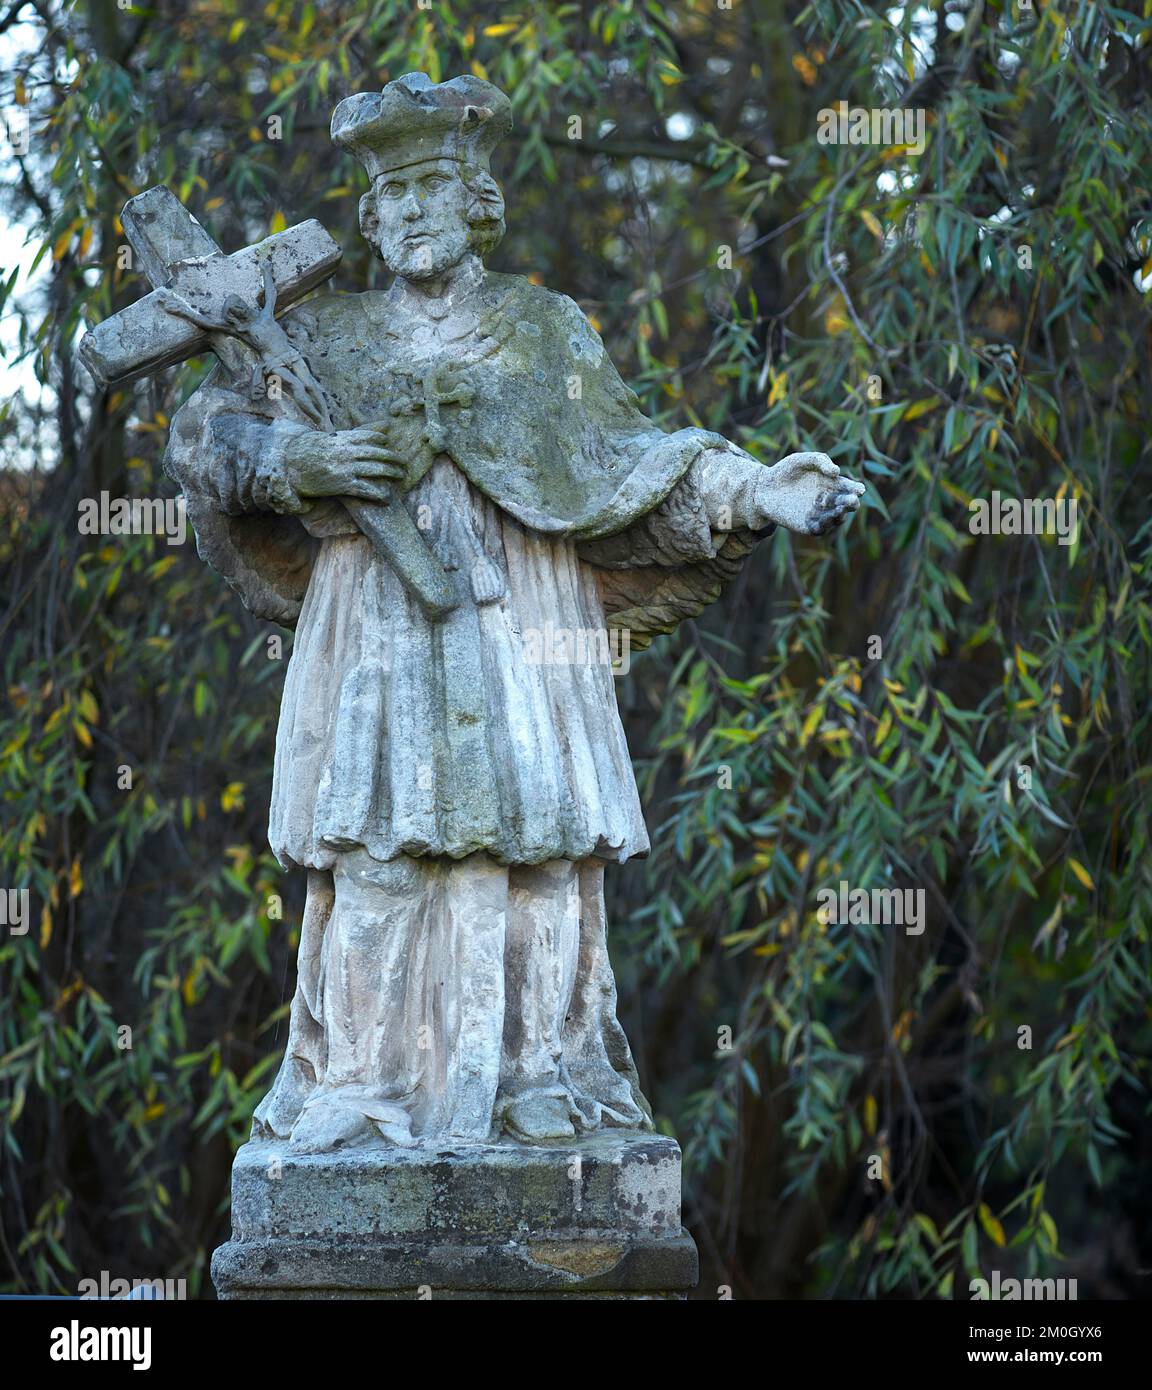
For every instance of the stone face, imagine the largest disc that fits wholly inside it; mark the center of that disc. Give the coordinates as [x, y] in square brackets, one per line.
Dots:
[601, 1218]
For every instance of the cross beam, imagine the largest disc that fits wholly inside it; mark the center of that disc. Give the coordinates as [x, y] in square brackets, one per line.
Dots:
[175, 252]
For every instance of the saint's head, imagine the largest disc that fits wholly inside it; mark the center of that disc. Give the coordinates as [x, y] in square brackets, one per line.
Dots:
[426, 148]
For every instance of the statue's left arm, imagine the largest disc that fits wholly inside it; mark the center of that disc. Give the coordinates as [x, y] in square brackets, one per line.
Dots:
[804, 492]
[673, 557]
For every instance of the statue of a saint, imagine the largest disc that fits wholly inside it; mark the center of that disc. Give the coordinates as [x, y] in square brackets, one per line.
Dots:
[455, 781]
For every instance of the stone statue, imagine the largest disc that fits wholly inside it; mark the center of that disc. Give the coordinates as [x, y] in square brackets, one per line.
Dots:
[423, 481]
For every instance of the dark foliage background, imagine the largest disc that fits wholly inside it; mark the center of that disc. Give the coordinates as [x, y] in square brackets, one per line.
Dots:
[994, 754]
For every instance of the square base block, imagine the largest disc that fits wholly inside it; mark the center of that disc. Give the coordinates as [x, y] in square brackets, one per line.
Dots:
[594, 1218]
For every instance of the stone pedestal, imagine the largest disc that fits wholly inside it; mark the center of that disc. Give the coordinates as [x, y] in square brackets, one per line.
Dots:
[600, 1219]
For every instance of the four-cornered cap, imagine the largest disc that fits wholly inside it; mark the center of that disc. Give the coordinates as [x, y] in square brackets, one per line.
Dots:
[414, 119]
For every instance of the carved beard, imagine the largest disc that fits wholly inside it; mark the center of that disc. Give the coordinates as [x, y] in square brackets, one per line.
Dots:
[422, 252]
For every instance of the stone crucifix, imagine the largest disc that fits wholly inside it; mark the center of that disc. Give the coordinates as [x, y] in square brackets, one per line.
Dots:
[204, 300]
[457, 1106]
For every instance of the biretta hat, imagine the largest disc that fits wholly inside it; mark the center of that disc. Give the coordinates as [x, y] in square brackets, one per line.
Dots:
[414, 119]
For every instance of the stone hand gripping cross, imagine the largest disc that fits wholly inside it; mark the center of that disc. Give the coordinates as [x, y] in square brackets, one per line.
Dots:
[205, 300]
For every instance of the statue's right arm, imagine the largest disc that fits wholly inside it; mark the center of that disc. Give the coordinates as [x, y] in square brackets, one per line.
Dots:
[234, 456]
[251, 462]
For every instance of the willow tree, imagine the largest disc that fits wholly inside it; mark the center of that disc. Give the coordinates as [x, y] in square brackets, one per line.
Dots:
[864, 1110]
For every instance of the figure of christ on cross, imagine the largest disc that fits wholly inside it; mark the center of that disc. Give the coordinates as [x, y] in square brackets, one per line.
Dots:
[278, 364]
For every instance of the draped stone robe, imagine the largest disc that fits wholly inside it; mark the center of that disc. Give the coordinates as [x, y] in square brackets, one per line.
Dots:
[453, 788]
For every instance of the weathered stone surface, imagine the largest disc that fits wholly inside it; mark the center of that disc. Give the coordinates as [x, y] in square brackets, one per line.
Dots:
[542, 1220]
[343, 1268]
[609, 1182]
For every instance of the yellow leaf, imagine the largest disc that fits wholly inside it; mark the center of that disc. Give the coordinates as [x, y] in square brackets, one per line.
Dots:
[495, 30]
[871, 1111]
[80, 729]
[872, 222]
[188, 989]
[918, 408]
[779, 387]
[992, 1227]
[279, 221]
[68, 994]
[45, 926]
[805, 68]
[835, 322]
[75, 879]
[1081, 873]
[902, 1028]
[811, 724]
[19, 739]
[153, 1112]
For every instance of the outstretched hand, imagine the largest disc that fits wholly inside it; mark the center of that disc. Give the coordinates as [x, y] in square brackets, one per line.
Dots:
[808, 493]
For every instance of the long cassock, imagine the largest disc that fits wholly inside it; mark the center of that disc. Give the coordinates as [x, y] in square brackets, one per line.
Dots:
[455, 788]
